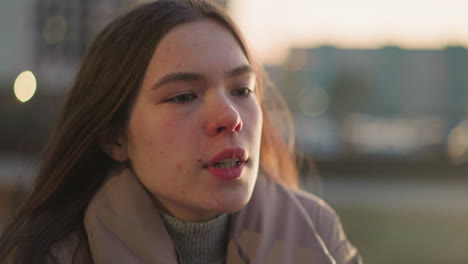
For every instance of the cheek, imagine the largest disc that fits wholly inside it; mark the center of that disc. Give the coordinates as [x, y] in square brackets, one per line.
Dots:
[156, 133]
[145, 137]
[255, 118]
[259, 117]
[177, 130]
[168, 130]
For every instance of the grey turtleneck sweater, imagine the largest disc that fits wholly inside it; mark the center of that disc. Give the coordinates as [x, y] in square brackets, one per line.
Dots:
[199, 242]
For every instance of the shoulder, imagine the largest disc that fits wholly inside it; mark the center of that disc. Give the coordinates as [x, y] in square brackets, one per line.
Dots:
[314, 207]
[311, 208]
[322, 214]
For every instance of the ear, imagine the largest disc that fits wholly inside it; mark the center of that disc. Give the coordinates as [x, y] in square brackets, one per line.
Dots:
[113, 144]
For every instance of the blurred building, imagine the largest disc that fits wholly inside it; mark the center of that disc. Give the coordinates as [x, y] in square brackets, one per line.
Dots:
[64, 29]
[49, 37]
[62, 32]
[15, 38]
[385, 82]
[405, 100]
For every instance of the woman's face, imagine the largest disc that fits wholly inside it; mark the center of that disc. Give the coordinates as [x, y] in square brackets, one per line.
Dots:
[193, 136]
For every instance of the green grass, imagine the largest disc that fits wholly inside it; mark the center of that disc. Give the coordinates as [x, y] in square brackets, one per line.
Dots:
[391, 236]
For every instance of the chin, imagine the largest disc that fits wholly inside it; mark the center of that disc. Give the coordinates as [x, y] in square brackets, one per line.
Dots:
[229, 198]
[231, 202]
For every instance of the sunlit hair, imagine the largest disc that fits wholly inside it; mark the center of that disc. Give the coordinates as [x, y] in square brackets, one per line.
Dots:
[112, 71]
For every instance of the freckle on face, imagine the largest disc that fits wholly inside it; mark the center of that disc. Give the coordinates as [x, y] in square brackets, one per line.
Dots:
[179, 167]
[183, 189]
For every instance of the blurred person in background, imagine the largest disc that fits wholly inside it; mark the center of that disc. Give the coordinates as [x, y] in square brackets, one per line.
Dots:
[165, 153]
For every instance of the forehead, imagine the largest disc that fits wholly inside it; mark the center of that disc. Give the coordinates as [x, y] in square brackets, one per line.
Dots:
[202, 46]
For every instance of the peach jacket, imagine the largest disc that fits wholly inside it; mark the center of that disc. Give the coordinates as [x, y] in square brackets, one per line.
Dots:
[278, 225]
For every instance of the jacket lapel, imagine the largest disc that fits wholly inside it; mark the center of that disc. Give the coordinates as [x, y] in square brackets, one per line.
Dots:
[124, 226]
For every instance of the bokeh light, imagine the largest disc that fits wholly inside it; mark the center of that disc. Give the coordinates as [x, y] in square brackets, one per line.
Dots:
[313, 101]
[457, 143]
[25, 86]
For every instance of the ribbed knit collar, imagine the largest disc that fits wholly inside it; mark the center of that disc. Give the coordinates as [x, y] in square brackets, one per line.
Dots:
[199, 242]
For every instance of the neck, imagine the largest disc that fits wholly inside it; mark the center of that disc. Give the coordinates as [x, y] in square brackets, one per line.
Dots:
[199, 242]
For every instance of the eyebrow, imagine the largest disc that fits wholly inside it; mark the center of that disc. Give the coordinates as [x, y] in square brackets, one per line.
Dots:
[191, 76]
[244, 69]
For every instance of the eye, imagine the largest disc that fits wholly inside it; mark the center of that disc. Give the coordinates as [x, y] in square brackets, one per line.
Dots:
[182, 98]
[244, 92]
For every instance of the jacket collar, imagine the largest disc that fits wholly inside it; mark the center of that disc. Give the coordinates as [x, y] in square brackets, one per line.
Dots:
[124, 226]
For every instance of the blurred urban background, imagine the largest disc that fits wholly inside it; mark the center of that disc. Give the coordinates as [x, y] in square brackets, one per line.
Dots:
[386, 125]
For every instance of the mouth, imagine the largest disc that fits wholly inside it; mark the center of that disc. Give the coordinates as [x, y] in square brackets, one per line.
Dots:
[228, 164]
[228, 158]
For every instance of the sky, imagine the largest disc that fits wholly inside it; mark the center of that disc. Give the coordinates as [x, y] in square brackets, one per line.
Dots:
[272, 26]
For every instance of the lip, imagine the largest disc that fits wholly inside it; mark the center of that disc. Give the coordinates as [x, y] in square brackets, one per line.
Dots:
[227, 173]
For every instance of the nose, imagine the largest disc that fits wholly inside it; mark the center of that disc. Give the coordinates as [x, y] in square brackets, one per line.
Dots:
[222, 117]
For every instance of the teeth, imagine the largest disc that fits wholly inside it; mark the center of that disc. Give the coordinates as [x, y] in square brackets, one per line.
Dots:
[229, 160]
[227, 163]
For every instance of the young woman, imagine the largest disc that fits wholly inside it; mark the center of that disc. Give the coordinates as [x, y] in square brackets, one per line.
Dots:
[165, 154]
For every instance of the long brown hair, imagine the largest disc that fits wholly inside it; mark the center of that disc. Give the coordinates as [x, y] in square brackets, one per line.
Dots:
[73, 165]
